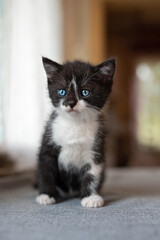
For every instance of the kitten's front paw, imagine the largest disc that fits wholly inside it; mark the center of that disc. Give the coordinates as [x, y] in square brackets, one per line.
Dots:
[45, 199]
[92, 201]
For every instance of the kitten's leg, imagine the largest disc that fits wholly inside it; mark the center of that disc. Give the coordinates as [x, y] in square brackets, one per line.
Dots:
[91, 183]
[47, 171]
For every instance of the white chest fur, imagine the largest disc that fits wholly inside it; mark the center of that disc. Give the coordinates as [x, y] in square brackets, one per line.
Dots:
[76, 138]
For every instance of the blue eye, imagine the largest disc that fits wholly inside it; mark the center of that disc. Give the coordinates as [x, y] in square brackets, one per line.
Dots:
[85, 93]
[62, 92]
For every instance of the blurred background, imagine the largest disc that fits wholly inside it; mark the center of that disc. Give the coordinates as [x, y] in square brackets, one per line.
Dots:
[90, 30]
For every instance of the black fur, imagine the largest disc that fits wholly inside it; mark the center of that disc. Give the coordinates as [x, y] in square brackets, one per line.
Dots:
[51, 175]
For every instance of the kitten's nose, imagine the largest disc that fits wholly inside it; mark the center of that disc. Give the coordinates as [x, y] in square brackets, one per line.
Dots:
[72, 103]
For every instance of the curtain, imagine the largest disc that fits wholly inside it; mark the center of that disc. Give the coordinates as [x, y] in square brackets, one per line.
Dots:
[29, 29]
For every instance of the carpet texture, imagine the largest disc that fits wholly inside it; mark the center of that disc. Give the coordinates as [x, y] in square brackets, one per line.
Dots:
[131, 211]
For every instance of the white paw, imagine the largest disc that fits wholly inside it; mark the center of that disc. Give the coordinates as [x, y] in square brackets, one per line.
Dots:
[45, 199]
[92, 201]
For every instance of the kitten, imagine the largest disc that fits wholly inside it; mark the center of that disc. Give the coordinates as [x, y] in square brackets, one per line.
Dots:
[71, 157]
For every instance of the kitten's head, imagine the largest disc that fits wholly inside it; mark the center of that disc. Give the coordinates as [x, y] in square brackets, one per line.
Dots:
[79, 88]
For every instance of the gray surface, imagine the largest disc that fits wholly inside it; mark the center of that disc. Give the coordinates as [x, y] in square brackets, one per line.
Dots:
[132, 211]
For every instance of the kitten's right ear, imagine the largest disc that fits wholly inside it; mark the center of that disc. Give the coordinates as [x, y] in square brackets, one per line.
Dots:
[50, 67]
[107, 69]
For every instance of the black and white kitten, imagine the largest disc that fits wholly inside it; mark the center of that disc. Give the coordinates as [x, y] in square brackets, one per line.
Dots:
[71, 157]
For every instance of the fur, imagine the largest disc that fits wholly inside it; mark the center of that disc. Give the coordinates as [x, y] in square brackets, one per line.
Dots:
[71, 156]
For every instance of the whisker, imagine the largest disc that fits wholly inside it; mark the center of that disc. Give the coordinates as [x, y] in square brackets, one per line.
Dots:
[87, 79]
[61, 77]
[95, 107]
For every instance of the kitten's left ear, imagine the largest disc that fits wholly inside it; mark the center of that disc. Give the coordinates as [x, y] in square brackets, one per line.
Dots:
[50, 67]
[106, 69]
